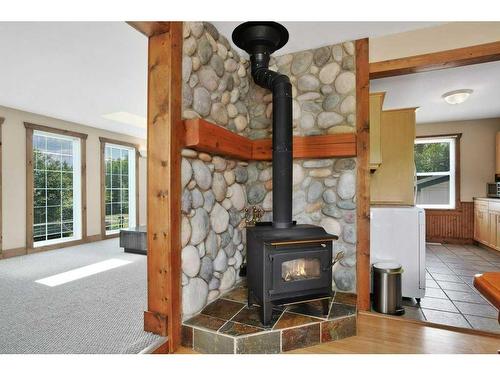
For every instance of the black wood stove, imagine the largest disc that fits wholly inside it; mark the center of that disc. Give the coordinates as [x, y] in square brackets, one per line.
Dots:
[286, 262]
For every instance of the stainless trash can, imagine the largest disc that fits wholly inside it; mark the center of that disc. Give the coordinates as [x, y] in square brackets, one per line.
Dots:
[387, 298]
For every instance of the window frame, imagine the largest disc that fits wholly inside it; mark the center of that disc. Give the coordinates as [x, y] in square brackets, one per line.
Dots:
[1, 207]
[454, 171]
[103, 142]
[30, 129]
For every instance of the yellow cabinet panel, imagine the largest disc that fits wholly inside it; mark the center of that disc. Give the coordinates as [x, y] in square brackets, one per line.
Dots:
[487, 222]
[376, 102]
[394, 180]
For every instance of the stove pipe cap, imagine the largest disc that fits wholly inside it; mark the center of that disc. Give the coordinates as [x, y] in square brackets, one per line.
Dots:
[260, 37]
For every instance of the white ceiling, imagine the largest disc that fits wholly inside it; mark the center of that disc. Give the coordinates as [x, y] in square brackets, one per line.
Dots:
[80, 71]
[75, 71]
[424, 90]
[307, 35]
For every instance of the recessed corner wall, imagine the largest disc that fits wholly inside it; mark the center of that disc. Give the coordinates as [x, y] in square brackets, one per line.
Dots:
[14, 173]
[217, 86]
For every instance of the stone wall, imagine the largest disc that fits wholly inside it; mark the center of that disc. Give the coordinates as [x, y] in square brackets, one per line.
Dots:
[324, 102]
[213, 235]
[215, 78]
[323, 194]
[217, 86]
[323, 90]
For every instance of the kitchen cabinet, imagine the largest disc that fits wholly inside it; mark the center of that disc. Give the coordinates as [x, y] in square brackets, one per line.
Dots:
[487, 222]
[376, 103]
[394, 180]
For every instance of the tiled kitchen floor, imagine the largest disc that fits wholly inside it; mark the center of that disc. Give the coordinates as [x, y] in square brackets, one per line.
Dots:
[450, 297]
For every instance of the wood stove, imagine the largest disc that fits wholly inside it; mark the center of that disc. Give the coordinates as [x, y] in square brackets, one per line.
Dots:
[286, 262]
[288, 265]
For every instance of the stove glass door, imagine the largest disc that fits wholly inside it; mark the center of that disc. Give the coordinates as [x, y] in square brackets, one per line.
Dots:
[301, 269]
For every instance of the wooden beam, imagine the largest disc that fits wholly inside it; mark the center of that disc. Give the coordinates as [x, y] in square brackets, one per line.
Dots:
[165, 134]
[363, 175]
[202, 135]
[438, 60]
[156, 323]
[312, 147]
[150, 28]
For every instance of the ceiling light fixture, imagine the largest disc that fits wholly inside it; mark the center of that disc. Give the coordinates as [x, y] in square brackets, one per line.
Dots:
[457, 96]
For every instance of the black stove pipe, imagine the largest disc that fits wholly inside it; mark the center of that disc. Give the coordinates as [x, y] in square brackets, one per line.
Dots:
[282, 137]
[260, 40]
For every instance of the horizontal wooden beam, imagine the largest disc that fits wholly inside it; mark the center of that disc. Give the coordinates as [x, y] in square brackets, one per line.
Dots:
[315, 146]
[150, 28]
[202, 135]
[438, 60]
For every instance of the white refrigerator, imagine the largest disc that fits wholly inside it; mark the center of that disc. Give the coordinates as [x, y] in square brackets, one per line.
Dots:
[398, 234]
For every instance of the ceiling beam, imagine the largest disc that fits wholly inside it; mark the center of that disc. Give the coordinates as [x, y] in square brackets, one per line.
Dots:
[150, 28]
[435, 61]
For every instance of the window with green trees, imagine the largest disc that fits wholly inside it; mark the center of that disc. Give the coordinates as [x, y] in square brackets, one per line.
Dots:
[119, 187]
[56, 188]
[435, 170]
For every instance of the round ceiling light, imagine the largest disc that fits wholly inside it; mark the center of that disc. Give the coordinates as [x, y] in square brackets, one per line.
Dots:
[457, 96]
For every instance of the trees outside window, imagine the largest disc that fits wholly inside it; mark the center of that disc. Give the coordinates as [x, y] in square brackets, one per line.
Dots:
[436, 170]
[119, 187]
[56, 188]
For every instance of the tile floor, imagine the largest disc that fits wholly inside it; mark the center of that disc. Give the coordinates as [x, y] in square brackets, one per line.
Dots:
[228, 325]
[450, 297]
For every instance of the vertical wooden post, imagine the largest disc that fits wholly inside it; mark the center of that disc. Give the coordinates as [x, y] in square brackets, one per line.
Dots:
[363, 174]
[165, 137]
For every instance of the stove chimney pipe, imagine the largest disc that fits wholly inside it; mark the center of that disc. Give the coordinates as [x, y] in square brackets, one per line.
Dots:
[260, 40]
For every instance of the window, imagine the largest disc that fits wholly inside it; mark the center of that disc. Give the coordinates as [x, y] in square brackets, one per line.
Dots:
[120, 210]
[57, 214]
[435, 166]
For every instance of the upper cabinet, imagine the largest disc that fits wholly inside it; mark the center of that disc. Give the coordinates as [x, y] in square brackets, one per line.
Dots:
[376, 102]
[394, 180]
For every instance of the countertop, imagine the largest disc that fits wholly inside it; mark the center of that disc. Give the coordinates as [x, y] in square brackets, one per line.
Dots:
[487, 199]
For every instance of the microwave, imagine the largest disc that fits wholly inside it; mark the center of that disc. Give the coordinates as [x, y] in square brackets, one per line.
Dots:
[494, 190]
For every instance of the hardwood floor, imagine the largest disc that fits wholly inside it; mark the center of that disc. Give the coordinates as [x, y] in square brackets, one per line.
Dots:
[379, 335]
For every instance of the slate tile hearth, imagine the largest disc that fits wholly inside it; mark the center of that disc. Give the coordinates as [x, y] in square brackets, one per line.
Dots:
[229, 326]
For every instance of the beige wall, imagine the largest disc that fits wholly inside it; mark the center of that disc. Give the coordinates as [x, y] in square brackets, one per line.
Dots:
[477, 152]
[433, 39]
[14, 173]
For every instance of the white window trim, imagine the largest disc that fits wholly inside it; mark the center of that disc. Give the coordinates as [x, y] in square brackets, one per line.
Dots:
[132, 204]
[452, 173]
[77, 191]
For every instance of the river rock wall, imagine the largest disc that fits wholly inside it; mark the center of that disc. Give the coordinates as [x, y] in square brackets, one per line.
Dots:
[217, 86]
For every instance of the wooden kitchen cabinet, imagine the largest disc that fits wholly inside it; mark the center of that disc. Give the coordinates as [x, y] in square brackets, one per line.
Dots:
[376, 103]
[487, 222]
[394, 180]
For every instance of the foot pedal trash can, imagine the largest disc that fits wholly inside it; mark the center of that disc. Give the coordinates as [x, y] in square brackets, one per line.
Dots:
[387, 298]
